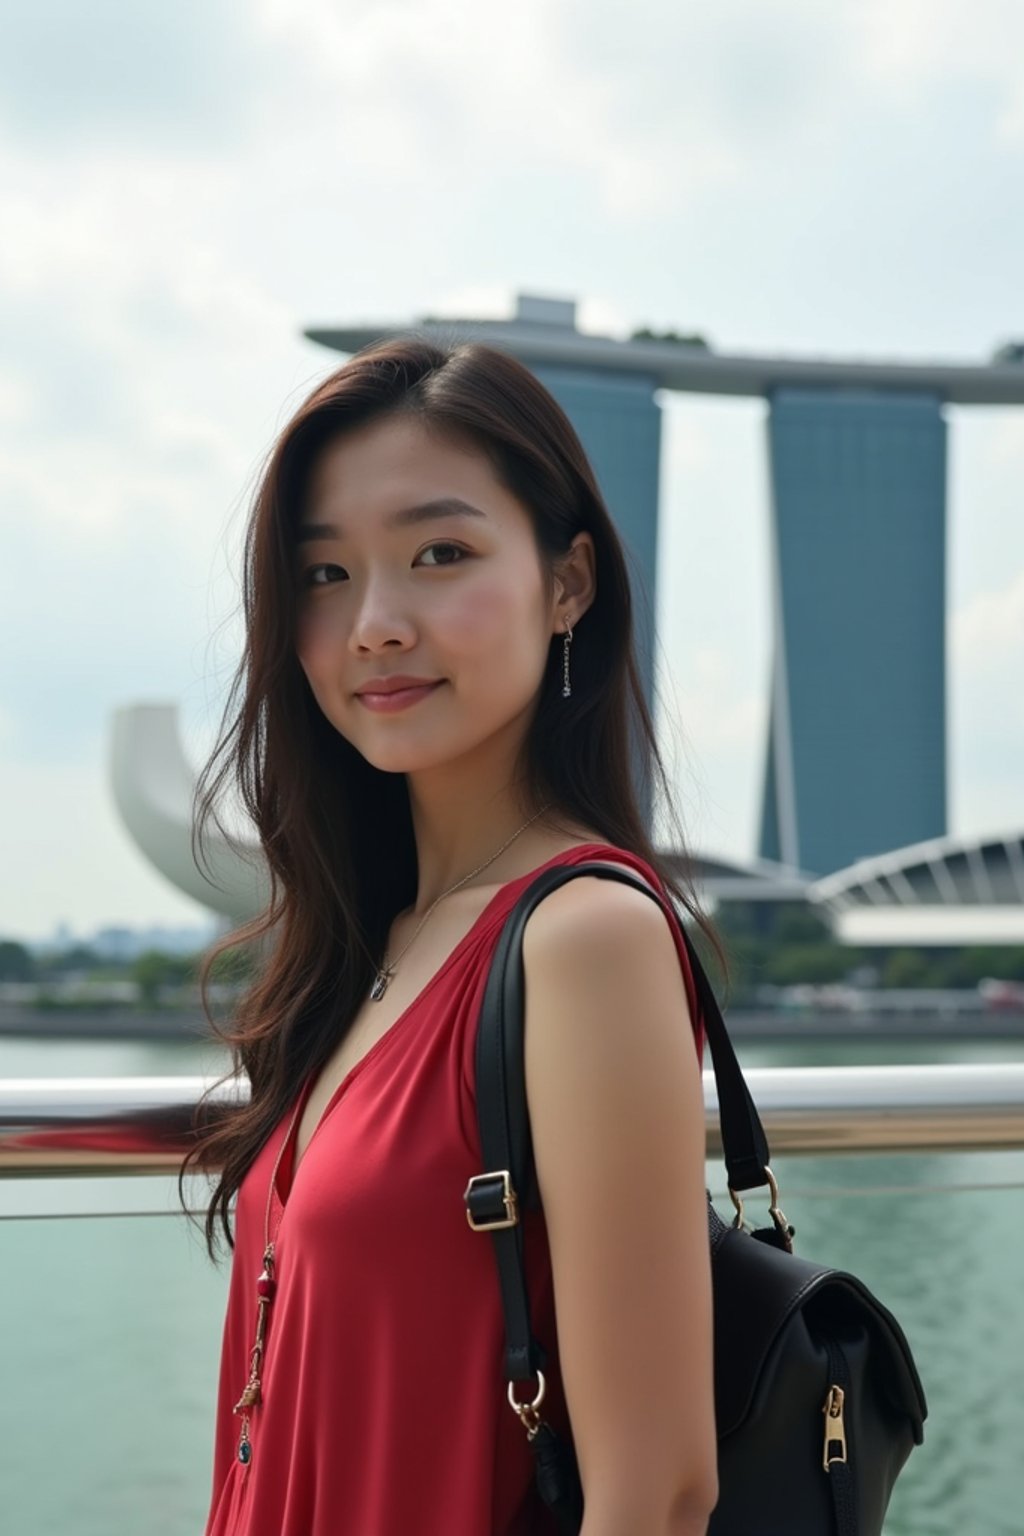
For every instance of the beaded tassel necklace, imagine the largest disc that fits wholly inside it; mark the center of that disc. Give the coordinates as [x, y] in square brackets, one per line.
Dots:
[266, 1285]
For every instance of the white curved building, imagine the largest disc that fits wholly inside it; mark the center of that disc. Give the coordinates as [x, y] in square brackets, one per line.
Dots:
[947, 891]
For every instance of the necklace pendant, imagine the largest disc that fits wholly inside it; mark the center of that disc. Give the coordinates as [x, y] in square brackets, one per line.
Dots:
[380, 985]
[383, 976]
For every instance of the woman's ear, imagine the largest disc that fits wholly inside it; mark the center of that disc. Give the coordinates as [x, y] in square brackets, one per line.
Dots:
[575, 579]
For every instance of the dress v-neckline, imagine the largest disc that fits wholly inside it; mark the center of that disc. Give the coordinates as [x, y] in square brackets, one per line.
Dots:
[286, 1170]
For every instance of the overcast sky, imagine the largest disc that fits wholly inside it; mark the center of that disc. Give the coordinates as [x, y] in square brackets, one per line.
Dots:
[183, 188]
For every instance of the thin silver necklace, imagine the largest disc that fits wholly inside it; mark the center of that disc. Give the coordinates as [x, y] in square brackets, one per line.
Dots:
[384, 975]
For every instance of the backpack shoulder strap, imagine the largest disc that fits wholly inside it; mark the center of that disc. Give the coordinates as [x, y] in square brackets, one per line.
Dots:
[494, 1198]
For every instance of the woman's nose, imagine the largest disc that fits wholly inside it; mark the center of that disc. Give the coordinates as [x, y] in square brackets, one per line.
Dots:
[381, 616]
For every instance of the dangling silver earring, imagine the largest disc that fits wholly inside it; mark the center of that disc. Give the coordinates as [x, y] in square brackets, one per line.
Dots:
[566, 689]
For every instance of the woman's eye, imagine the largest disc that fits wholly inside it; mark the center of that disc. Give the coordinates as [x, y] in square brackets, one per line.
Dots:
[310, 576]
[455, 549]
[453, 554]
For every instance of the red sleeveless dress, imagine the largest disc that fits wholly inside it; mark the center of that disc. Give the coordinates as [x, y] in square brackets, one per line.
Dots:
[384, 1409]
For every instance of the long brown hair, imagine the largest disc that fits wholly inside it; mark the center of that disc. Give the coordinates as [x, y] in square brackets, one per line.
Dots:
[337, 832]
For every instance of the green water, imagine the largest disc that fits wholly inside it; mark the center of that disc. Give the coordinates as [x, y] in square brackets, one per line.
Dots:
[112, 1322]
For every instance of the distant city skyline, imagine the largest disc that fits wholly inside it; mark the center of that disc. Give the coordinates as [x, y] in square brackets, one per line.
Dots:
[856, 749]
[810, 181]
[125, 943]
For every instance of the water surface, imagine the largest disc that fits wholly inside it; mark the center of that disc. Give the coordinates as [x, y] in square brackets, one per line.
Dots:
[113, 1322]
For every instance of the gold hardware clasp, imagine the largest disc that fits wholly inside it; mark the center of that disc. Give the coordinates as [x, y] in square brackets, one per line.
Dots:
[835, 1427]
[528, 1411]
[508, 1200]
[777, 1214]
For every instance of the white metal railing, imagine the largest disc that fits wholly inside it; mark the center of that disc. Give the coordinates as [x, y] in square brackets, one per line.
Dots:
[142, 1125]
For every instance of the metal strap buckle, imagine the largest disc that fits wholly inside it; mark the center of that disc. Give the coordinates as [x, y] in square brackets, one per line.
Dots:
[508, 1200]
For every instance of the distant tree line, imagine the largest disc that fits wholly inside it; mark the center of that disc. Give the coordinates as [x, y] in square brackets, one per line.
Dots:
[152, 971]
[789, 944]
[780, 944]
[691, 339]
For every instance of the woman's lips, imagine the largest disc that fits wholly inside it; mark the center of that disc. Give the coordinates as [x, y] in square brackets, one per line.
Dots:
[385, 703]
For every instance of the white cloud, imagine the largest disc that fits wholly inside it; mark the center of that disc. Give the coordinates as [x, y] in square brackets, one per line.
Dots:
[18, 398]
[1006, 441]
[986, 722]
[712, 723]
[988, 635]
[69, 856]
[91, 75]
[795, 174]
[914, 45]
[720, 705]
[478, 301]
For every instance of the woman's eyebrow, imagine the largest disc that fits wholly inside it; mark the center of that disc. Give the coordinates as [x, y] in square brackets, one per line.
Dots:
[426, 511]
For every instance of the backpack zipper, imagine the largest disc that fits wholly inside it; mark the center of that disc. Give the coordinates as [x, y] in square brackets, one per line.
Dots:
[836, 1450]
[835, 1427]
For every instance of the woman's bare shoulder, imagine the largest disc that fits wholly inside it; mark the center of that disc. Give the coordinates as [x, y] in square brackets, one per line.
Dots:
[617, 1116]
[592, 910]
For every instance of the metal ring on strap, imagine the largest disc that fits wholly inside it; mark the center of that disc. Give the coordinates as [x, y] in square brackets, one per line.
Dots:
[528, 1411]
[774, 1210]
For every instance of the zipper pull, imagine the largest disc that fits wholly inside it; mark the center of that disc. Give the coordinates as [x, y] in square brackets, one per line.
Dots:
[835, 1428]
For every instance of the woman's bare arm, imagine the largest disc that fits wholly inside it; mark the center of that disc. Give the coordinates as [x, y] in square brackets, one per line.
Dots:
[617, 1114]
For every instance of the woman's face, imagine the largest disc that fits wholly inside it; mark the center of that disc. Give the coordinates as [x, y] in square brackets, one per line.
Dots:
[395, 579]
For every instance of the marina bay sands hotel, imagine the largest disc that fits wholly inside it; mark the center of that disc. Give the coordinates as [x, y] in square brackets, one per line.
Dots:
[855, 761]
[854, 781]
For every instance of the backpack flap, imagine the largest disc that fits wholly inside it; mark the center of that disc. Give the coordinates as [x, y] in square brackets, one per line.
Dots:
[759, 1288]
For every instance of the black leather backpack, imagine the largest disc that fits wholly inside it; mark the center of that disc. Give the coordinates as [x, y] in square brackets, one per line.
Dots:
[818, 1402]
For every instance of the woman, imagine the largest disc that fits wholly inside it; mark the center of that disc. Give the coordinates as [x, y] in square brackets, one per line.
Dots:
[438, 695]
